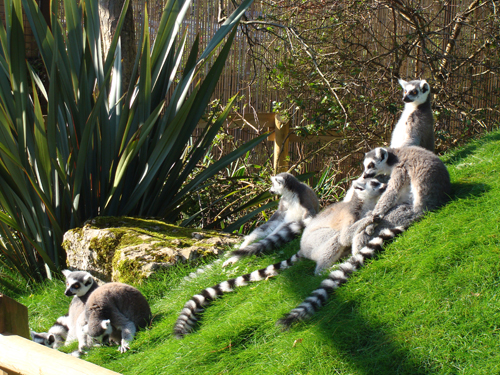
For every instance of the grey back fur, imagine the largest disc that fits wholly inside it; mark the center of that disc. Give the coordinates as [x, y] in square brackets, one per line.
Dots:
[416, 124]
[122, 306]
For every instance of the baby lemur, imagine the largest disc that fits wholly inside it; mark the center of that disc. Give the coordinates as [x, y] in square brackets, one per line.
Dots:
[80, 285]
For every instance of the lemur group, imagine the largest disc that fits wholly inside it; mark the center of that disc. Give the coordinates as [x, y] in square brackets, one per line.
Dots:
[397, 186]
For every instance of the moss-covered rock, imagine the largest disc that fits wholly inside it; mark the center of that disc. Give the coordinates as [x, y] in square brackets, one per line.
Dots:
[125, 249]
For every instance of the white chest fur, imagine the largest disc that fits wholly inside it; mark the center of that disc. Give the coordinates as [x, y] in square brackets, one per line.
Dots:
[293, 209]
[401, 133]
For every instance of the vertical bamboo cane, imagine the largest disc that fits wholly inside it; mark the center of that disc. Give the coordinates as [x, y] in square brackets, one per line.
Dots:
[282, 127]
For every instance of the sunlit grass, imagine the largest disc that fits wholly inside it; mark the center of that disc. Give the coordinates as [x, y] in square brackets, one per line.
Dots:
[428, 305]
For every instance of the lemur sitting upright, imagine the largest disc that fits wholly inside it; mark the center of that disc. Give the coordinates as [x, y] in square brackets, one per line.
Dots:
[416, 125]
[321, 242]
[297, 206]
[80, 285]
[419, 182]
[416, 175]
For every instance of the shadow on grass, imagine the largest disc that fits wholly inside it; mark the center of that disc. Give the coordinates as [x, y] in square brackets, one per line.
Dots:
[462, 190]
[469, 149]
[363, 342]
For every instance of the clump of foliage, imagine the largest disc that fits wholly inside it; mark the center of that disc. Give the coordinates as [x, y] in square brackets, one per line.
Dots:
[98, 152]
[335, 64]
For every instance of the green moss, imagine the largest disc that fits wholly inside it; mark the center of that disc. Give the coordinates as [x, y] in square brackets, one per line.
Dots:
[132, 231]
[105, 248]
[127, 270]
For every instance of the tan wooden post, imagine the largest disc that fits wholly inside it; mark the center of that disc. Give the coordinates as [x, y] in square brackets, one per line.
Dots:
[282, 127]
[13, 317]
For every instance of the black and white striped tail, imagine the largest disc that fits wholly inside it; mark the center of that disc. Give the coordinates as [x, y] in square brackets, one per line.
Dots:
[188, 316]
[287, 233]
[336, 278]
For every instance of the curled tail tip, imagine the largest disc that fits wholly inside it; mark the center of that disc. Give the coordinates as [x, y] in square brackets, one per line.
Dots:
[179, 333]
[287, 321]
[284, 323]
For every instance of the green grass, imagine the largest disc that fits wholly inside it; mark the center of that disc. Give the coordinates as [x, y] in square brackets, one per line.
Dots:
[428, 305]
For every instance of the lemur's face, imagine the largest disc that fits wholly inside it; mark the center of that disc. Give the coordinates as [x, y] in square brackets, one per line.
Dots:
[278, 185]
[78, 283]
[375, 163]
[415, 92]
[368, 188]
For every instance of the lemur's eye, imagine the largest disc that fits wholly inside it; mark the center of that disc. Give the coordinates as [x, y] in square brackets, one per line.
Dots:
[76, 286]
[413, 92]
[371, 165]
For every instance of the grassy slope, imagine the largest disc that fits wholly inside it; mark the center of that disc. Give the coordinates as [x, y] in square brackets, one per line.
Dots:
[428, 305]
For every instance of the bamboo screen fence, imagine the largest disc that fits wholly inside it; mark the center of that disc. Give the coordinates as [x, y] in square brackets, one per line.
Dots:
[466, 101]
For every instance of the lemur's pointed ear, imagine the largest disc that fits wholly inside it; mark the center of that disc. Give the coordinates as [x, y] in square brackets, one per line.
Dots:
[66, 272]
[402, 82]
[381, 153]
[424, 86]
[87, 279]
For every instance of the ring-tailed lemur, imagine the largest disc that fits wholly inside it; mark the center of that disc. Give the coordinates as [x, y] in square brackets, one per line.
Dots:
[116, 310]
[419, 181]
[327, 238]
[417, 176]
[80, 285]
[56, 336]
[397, 220]
[334, 219]
[297, 206]
[416, 124]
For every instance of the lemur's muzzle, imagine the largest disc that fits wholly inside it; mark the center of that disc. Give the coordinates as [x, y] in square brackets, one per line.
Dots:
[368, 175]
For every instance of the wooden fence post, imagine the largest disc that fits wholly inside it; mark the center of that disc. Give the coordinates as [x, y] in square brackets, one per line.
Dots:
[13, 317]
[281, 141]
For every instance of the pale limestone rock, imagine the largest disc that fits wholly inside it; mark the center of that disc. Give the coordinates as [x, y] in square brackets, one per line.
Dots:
[132, 249]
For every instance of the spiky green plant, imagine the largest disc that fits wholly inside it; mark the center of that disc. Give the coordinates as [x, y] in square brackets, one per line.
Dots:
[98, 152]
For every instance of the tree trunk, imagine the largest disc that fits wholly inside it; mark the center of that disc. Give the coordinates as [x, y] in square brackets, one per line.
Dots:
[109, 14]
